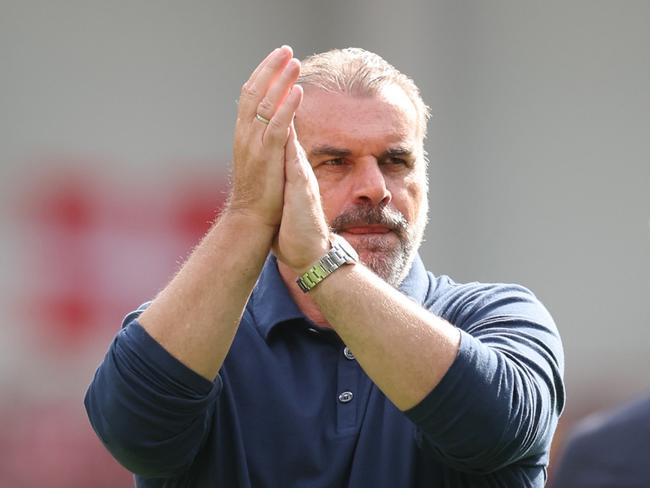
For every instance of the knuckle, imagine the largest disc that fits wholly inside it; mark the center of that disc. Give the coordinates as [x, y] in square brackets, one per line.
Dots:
[248, 90]
[276, 126]
[265, 106]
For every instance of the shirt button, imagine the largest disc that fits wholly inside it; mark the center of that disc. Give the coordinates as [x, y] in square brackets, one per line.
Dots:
[347, 353]
[345, 397]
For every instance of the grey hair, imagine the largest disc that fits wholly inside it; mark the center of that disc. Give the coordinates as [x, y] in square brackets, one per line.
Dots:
[358, 72]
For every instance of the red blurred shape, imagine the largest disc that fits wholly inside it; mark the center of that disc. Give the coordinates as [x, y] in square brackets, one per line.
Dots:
[82, 237]
[70, 206]
[69, 317]
[65, 198]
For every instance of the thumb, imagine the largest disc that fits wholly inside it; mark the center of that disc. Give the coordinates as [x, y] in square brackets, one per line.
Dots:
[297, 167]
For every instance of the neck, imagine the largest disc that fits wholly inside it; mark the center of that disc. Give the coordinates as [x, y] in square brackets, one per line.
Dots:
[303, 300]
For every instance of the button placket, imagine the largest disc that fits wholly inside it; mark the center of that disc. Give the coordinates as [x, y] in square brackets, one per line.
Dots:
[347, 387]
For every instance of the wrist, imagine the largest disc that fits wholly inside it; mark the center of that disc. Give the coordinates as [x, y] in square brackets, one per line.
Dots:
[316, 251]
[249, 221]
[338, 254]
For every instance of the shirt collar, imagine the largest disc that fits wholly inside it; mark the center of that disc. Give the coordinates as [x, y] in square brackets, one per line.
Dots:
[272, 304]
[416, 284]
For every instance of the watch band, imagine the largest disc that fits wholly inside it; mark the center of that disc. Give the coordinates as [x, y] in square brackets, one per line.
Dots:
[341, 253]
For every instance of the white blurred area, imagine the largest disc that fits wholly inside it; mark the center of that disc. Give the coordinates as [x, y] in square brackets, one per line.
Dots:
[116, 121]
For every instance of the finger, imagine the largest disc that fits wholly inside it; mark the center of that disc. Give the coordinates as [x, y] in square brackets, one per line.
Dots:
[256, 87]
[277, 131]
[279, 90]
[278, 51]
[262, 63]
[274, 138]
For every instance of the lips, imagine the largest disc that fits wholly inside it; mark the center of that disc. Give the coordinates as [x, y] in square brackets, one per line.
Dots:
[367, 229]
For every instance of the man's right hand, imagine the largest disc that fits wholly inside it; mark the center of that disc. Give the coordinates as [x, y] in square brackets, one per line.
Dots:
[196, 316]
[259, 147]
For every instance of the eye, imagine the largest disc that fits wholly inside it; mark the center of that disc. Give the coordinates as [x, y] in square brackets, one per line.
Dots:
[397, 161]
[334, 162]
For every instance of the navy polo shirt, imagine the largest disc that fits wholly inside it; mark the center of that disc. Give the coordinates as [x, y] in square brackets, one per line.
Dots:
[291, 407]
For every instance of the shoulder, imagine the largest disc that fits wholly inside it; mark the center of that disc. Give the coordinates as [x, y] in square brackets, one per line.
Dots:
[468, 304]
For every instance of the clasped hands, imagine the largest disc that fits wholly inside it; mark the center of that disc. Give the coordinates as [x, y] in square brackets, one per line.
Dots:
[273, 183]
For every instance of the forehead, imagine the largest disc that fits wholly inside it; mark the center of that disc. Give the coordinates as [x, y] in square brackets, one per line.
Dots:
[357, 122]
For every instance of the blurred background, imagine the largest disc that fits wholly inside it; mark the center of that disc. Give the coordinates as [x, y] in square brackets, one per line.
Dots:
[116, 121]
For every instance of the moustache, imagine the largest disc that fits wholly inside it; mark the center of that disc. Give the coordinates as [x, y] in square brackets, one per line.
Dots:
[370, 215]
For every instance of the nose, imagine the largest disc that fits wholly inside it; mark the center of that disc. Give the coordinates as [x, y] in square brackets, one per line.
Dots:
[370, 183]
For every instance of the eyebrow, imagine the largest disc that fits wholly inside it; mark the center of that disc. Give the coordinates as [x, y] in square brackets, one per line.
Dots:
[327, 150]
[399, 151]
[339, 152]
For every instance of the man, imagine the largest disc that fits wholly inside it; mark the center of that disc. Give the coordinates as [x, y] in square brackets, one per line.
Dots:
[279, 357]
[609, 450]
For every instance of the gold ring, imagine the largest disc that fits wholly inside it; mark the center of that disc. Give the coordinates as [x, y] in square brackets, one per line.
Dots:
[262, 119]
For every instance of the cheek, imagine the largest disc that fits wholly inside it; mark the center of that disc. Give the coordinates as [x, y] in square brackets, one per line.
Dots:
[409, 197]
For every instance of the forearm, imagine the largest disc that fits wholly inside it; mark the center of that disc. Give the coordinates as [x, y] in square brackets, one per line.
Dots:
[492, 408]
[196, 316]
[402, 347]
[481, 404]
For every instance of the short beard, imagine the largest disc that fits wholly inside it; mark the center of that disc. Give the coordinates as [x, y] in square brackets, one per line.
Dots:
[389, 263]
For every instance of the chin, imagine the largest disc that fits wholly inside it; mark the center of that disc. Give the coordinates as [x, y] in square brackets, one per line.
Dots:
[384, 254]
[391, 267]
[385, 243]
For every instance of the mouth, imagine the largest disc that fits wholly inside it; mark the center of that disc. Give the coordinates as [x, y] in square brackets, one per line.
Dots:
[366, 229]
